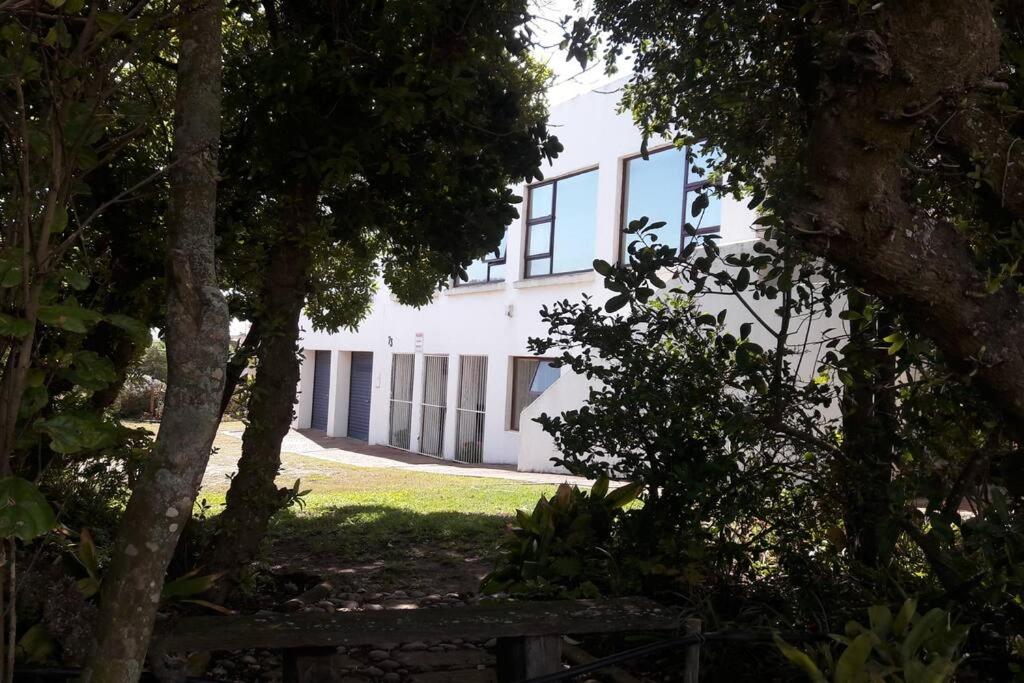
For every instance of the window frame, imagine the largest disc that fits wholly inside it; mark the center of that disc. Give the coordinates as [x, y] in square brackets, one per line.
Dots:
[547, 218]
[687, 188]
[513, 421]
[490, 263]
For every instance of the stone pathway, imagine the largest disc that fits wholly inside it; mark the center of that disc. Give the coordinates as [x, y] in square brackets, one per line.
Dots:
[314, 444]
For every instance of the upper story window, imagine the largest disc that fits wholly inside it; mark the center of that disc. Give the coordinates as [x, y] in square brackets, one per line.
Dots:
[663, 187]
[561, 225]
[489, 267]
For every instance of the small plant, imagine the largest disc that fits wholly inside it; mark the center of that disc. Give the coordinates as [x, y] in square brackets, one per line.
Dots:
[905, 648]
[563, 548]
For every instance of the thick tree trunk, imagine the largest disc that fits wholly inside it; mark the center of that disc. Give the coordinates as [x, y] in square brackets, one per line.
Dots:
[197, 339]
[857, 213]
[253, 497]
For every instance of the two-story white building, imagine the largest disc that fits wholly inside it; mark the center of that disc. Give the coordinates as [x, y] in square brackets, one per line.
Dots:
[455, 379]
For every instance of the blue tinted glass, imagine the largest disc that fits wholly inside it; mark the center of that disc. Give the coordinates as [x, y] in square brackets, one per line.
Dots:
[575, 223]
[545, 377]
[655, 189]
[540, 200]
[541, 266]
[711, 217]
[498, 272]
[477, 271]
[704, 162]
[539, 241]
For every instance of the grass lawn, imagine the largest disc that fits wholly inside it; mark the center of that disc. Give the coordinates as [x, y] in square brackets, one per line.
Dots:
[381, 528]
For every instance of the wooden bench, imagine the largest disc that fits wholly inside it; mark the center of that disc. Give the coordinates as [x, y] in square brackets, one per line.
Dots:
[529, 634]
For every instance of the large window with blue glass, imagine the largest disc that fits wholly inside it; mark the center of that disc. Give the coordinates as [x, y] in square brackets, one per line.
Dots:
[561, 224]
[663, 187]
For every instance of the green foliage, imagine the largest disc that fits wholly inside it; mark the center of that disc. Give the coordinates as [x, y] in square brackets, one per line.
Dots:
[907, 647]
[564, 548]
[24, 512]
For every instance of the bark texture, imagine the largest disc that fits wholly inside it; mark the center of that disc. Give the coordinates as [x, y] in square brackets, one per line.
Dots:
[857, 212]
[197, 341]
[253, 497]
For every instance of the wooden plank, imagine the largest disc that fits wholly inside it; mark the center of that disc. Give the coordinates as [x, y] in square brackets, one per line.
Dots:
[495, 620]
[520, 659]
[691, 670]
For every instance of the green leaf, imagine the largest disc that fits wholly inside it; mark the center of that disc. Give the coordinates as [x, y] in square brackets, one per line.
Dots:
[137, 329]
[800, 659]
[77, 281]
[68, 317]
[851, 662]
[189, 585]
[904, 616]
[36, 646]
[71, 433]
[603, 268]
[24, 512]
[10, 268]
[616, 302]
[91, 371]
[14, 327]
[87, 554]
[624, 495]
[600, 487]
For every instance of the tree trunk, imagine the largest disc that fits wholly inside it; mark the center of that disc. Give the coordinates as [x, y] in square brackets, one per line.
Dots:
[857, 213]
[197, 340]
[253, 497]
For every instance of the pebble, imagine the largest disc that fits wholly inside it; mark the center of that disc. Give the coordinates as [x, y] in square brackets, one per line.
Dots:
[414, 646]
[392, 677]
[389, 664]
[348, 605]
[378, 655]
[491, 643]
[326, 605]
[374, 671]
[248, 659]
[373, 607]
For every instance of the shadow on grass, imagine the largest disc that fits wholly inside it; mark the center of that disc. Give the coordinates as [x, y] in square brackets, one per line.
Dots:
[396, 539]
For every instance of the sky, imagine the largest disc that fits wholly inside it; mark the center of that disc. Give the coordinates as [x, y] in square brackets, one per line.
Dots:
[570, 79]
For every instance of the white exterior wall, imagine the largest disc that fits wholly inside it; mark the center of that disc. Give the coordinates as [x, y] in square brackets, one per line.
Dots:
[496, 319]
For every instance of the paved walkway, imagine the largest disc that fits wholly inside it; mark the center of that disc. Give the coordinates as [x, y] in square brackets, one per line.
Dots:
[314, 444]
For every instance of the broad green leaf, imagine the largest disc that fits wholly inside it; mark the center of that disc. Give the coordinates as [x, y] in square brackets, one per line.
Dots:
[10, 268]
[137, 329]
[851, 662]
[87, 554]
[904, 616]
[616, 302]
[800, 659]
[70, 433]
[68, 317]
[24, 512]
[91, 371]
[880, 618]
[14, 327]
[36, 646]
[189, 585]
[600, 487]
[923, 629]
[624, 495]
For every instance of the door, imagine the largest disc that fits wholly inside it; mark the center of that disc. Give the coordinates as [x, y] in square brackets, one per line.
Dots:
[359, 396]
[435, 404]
[469, 430]
[321, 389]
[400, 423]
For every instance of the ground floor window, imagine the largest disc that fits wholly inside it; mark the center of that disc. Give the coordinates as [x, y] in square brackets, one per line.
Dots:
[469, 430]
[400, 422]
[435, 404]
[530, 378]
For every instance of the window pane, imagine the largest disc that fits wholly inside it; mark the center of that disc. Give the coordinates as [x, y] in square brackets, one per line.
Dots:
[477, 271]
[500, 252]
[711, 217]
[575, 223]
[701, 166]
[541, 266]
[540, 200]
[497, 272]
[655, 189]
[539, 239]
[530, 378]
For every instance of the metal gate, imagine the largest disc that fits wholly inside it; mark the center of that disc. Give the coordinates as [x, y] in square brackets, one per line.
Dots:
[435, 402]
[400, 421]
[359, 388]
[469, 430]
[321, 389]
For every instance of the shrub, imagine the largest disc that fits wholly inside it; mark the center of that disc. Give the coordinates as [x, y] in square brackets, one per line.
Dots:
[565, 547]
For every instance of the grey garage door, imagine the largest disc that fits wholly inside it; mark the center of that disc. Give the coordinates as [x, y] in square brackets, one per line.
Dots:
[321, 389]
[359, 396]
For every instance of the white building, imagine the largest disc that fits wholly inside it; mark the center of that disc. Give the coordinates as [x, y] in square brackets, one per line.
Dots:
[455, 379]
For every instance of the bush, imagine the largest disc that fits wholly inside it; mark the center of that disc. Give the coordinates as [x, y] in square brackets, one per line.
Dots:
[140, 397]
[565, 548]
